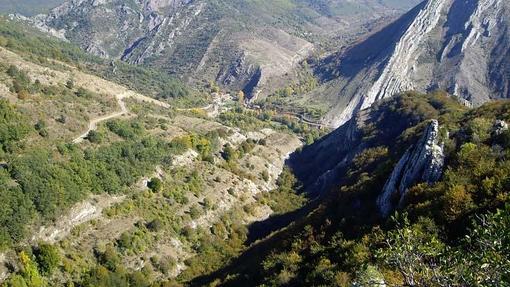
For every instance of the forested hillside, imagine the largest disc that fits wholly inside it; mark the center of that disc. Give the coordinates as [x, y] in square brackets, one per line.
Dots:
[453, 232]
[108, 179]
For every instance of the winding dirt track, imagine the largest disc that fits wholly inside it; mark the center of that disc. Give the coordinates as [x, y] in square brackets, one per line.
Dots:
[123, 111]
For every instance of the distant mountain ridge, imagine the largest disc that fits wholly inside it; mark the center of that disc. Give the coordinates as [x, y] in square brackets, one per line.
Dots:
[239, 44]
[458, 46]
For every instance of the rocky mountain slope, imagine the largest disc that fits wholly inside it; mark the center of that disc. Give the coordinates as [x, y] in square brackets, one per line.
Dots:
[442, 166]
[240, 44]
[458, 46]
[103, 185]
[322, 164]
[428, 156]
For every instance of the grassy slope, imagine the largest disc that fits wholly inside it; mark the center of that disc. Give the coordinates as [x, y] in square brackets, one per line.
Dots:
[29, 42]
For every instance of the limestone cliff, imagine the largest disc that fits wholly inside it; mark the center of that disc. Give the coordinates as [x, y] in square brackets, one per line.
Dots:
[422, 162]
[461, 46]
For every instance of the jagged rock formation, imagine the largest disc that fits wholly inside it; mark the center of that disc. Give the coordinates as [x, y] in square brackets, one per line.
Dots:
[420, 163]
[461, 46]
[236, 43]
[321, 165]
[392, 125]
[499, 128]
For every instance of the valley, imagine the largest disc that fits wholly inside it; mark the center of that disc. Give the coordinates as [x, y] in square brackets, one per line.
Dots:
[157, 143]
[113, 116]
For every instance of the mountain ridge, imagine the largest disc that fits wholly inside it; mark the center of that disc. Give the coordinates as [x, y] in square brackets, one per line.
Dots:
[448, 44]
[206, 40]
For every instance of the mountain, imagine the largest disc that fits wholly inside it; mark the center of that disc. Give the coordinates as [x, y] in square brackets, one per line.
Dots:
[241, 45]
[129, 161]
[458, 46]
[321, 165]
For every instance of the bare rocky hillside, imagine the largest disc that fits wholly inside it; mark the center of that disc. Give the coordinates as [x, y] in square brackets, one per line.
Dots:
[458, 46]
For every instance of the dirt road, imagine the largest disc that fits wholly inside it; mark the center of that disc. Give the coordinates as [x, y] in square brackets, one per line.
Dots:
[123, 111]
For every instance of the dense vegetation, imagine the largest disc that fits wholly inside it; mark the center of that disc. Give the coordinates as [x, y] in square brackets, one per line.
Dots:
[256, 120]
[38, 183]
[451, 233]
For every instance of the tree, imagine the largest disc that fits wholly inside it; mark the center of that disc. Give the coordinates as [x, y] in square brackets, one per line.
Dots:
[13, 126]
[82, 93]
[23, 94]
[48, 258]
[214, 87]
[229, 154]
[12, 71]
[483, 258]
[195, 211]
[30, 274]
[415, 250]
[155, 225]
[70, 84]
[155, 184]
[109, 258]
[265, 175]
[456, 202]
[95, 137]
[369, 277]
[40, 127]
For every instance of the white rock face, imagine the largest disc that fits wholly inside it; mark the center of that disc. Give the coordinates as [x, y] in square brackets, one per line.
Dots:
[499, 127]
[81, 213]
[461, 46]
[421, 163]
[394, 78]
[155, 5]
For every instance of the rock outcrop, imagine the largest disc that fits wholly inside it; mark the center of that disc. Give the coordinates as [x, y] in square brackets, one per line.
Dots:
[461, 46]
[421, 163]
[323, 164]
[499, 128]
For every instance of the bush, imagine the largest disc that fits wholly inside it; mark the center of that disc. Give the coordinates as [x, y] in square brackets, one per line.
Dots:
[195, 211]
[48, 258]
[155, 184]
[95, 137]
[229, 154]
[13, 126]
[265, 175]
[40, 126]
[83, 93]
[156, 225]
[70, 84]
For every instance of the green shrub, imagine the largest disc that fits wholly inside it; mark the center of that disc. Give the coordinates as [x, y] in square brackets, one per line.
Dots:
[48, 258]
[95, 137]
[155, 184]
